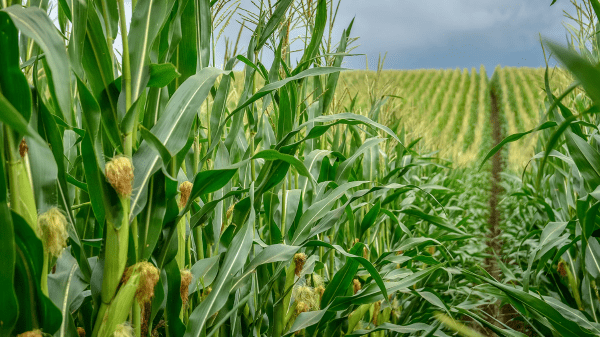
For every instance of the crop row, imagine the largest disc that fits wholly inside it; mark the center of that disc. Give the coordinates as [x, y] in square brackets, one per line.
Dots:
[519, 92]
[449, 108]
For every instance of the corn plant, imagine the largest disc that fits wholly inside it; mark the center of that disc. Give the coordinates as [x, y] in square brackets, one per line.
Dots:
[137, 199]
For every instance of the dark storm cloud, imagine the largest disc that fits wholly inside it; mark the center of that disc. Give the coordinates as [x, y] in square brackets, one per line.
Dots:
[453, 33]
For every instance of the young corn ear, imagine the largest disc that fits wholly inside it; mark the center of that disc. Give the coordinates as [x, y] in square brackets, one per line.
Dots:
[307, 295]
[185, 189]
[52, 231]
[32, 333]
[138, 283]
[22, 199]
[355, 317]
[563, 268]
[119, 173]
[356, 286]
[299, 260]
[186, 280]
[123, 330]
[149, 276]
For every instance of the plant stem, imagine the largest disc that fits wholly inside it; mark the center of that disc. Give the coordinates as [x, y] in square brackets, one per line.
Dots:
[283, 208]
[117, 242]
[126, 71]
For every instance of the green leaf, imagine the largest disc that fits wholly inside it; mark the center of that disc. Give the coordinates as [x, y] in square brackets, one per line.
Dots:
[343, 278]
[172, 129]
[173, 300]
[295, 162]
[36, 24]
[220, 103]
[332, 79]
[370, 218]
[318, 210]
[162, 74]
[203, 273]
[204, 29]
[585, 157]
[43, 171]
[435, 220]
[35, 309]
[234, 260]
[79, 29]
[9, 310]
[13, 82]
[272, 253]
[345, 167]
[373, 293]
[403, 329]
[151, 139]
[316, 34]
[146, 21]
[274, 21]
[514, 138]
[342, 118]
[562, 325]
[586, 73]
[364, 262]
[64, 285]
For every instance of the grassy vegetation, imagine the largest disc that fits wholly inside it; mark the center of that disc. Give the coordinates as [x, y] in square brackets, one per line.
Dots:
[145, 192]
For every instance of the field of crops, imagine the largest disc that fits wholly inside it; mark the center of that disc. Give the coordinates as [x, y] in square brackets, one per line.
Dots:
[519, 92]
[146, 192]
[450, 108]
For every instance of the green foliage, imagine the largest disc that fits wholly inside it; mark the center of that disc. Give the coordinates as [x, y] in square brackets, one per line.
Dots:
[273, 202]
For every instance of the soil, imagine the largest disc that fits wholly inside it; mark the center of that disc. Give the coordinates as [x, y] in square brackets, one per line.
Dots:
[505, 314]
[494, 246]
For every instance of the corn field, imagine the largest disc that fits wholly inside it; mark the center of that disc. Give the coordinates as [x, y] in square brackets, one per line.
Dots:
[147, 191]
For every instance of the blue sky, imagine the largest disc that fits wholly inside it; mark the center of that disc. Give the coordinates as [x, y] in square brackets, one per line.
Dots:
[443, 33]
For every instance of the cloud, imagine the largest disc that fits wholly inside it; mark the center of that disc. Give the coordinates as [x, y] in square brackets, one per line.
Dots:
[453, 33]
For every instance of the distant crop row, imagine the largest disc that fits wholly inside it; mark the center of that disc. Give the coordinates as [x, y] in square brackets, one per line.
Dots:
[519, 92]
[448, 108]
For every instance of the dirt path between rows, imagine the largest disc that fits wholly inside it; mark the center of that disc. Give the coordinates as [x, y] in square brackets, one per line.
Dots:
[506, 313]
[493, 240]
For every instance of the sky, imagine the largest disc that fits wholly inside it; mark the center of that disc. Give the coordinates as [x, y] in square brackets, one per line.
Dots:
[454, 33]
[442, 33]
